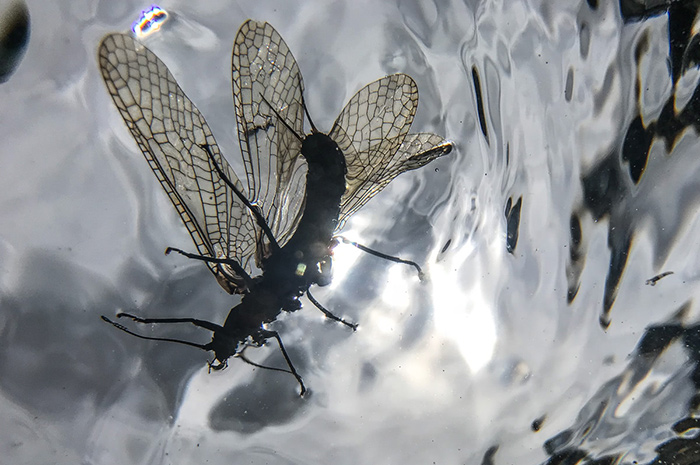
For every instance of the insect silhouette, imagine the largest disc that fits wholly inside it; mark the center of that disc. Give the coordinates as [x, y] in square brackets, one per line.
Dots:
[268, 223]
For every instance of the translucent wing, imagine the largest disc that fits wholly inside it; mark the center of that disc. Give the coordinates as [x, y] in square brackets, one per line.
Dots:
[372, 132]
[415, 151]
[267, 86]
[175, 139]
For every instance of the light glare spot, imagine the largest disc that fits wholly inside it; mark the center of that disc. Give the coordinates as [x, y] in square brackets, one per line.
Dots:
[397, 287]
[150, 21]
[464, 317]
[344, 258]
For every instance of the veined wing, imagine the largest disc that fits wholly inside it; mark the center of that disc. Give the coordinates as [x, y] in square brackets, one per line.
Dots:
[267, 87]
[176, 141]
[372, 132]
[415, 151]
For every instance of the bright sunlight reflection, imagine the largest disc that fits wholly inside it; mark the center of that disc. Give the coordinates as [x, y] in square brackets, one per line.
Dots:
[463, 315]
[396, 290]
[344, 257]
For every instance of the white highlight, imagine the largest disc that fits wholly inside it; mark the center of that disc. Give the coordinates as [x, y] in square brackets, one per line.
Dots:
[344, 258]
[463, 314]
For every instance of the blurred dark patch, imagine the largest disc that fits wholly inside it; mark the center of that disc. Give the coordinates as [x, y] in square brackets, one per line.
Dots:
[691, 55]
[606, 92]
[604, 190]
[685, 450]
[686, 425]
[691, 339]
[637, 10]
[14, 38]
[489, 456]
[584, 36]
[446, 246]
[603, 187]
[684, 50]
[671, 124]
[681, 16]
[480, 104]
[575, 445]
[579, 457]
[569, 86]
[657, 338]
[678, 451]
[575, 230]
[537, 423]
[557, 442]
[567, 457]
[657, 278]
[271, 398]
[574, 267]
[619, 243]
[635, 148]
[55, 354]
[513, 223]
[368, 377]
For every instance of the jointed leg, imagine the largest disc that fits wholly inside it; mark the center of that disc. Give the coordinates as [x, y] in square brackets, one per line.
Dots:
[275, 334]
[243, 357]
[391, 258]
[225, 261]
[328, 313]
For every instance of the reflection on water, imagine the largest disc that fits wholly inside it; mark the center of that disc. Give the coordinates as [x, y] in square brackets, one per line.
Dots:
[535, 337]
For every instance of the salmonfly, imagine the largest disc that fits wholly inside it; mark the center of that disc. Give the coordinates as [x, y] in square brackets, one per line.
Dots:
[266, 223]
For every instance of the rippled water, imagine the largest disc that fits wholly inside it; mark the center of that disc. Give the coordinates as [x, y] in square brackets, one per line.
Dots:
[536, 339]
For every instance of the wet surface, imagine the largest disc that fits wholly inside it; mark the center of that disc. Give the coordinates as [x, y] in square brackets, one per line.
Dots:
[535, 337]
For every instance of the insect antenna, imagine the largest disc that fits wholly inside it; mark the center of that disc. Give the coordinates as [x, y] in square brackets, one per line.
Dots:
[282, 120]
[151, 338]
[328, 313]
[308, 116]
[254, 210]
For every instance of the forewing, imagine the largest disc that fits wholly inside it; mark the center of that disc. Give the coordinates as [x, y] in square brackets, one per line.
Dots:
[267, 92]
[371, 131]
[175, 139]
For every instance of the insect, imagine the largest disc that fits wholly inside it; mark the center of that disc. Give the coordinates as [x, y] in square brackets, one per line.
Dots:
[266, 223]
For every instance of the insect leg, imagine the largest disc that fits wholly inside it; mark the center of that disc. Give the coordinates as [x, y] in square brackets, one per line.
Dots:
[243, 357]
[328, 312]
[226, 261]
[267, 333]
[376, 253]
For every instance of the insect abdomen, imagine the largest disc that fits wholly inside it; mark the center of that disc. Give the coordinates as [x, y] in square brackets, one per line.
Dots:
[325, 186]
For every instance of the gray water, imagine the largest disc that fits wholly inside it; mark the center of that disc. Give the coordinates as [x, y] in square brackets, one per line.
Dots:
[451, 370]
